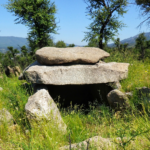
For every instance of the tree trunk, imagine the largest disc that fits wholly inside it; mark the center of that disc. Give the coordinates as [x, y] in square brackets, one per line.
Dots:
[101, 37]
[102, 30]
[101, 44]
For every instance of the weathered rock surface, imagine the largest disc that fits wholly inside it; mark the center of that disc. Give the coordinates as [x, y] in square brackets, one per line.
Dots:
[76, 74]
[96, 142]
[6, 117]
[99, 143]
[117, 100]
[115, 85]
[21, 77]
[129, 94]
[76, 55]
[9, 71]
[41, 106]
[15, 71]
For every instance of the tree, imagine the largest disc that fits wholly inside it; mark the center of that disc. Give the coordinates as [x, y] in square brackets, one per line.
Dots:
[13, 52]
[71, 45]
[104, 14]
[24, 51]
[7, 59]
[93, 43]
[125, 45]
[60, 44]
[145, 9]
[117, 43]
[120, 47]
[141, 45]
[39, 16]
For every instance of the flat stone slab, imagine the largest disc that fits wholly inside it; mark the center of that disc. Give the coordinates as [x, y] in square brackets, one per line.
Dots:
[75, 55]
[97, 143]
[76, 74]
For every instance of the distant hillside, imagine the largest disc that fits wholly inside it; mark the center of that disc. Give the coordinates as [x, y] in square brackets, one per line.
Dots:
[15, 42]
[131, 40]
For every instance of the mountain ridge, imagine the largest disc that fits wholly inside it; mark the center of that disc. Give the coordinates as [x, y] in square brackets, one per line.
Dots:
[17, 42]
[13, 41]
[131, 40]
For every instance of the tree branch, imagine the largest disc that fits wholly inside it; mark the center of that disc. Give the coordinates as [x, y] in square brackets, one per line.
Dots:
[104, 4]
[139, 26]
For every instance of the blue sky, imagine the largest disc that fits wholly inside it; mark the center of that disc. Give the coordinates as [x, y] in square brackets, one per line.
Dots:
[72, 22]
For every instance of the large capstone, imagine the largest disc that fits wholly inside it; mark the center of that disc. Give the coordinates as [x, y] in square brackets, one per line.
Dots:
[75, 55]
[76, 74]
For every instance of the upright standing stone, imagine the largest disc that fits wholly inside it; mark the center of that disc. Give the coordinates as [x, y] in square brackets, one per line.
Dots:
[41, 106]
[117, 100]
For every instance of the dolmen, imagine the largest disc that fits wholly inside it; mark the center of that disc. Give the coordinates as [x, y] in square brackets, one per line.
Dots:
[70, 76]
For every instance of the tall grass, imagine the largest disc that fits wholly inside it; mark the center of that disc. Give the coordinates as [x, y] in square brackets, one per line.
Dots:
[132, 126]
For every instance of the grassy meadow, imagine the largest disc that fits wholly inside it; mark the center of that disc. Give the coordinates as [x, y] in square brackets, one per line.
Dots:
[132, 126]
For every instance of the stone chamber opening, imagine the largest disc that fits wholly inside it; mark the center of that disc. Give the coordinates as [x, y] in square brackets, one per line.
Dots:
[81, 95]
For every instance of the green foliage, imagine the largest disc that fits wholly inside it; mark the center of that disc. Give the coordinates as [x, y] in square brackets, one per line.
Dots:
[145, 11]
[24, 51]
[60, 44]
[7, 59]
[39, 16]
[104, 15]
[119, 46]
[132, 126]
[141, 45]
[13, 53]
[117, 43]
[125, 45]
[15, 58]
[1, 57]
[93, 43]
[71, 45]
[11, 41]
[25, 58]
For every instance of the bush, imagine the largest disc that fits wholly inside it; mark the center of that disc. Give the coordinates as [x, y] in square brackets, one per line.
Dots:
[60, 44]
